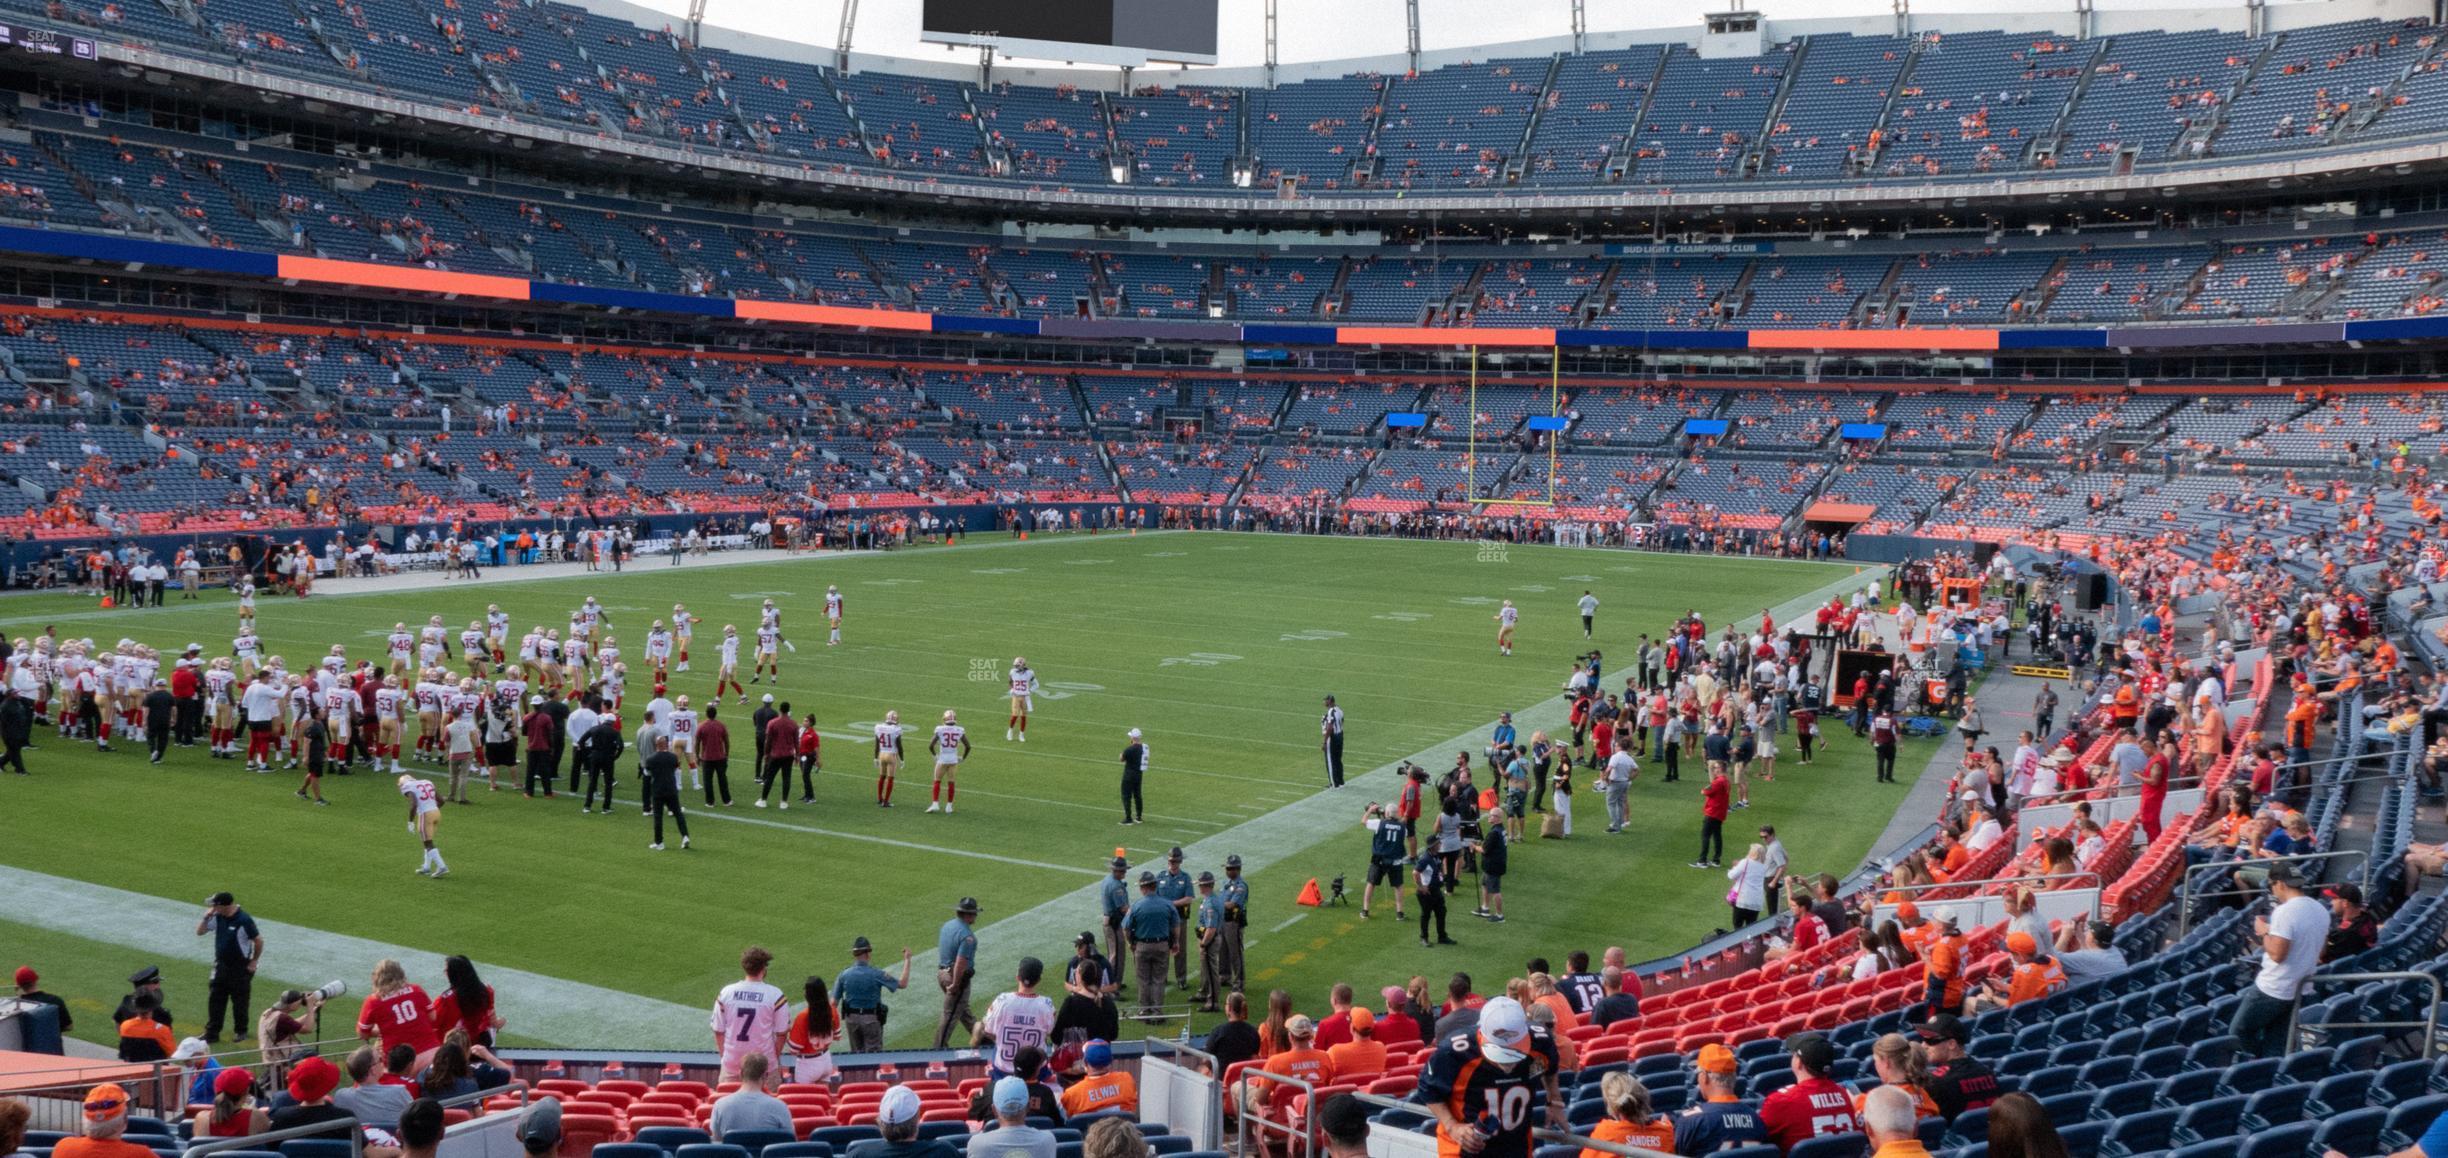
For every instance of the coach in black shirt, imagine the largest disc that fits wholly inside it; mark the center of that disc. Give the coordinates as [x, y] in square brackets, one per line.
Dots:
[1134, 765]
[663, 791]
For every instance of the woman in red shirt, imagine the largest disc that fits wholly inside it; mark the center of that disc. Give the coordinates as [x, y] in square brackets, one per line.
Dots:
[1715, 805]
[2155, 788]
[468, 1004]
[399, 1014]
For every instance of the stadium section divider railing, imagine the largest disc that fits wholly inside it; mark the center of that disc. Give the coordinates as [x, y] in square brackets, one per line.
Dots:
[2297, 1038]
[1177, 1087]
[155, 1089]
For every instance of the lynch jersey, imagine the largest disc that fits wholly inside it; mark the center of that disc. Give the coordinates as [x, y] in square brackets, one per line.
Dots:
[1712, 1126]
[1504, 1105]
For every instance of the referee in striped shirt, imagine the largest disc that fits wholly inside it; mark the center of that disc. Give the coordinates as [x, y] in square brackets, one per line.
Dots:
[1330, 739]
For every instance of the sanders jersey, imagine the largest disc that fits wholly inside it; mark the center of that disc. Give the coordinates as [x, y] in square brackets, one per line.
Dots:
[1018, 1023]
[748, 1017]
[1504, 1106]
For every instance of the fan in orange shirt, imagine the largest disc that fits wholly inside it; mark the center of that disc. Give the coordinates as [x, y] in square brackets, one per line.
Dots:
[1630, 1120]
[1363, 1055]
[1105, 1088]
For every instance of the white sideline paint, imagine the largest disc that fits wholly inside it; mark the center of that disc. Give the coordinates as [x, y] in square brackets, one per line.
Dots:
[1289, 830]
[564, 1011]
[545, 1008]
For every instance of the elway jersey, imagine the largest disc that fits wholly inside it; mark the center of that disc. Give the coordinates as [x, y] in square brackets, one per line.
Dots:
[1504, 1106]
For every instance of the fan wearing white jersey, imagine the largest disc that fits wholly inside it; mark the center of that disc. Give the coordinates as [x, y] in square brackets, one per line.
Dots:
[833, 610]
[684, 629]
[1018, 1020]
[398, 647]
[887, 757]
[1506, 617]
[424, 813]
[726, 664]
[950, 745]
[681, 726]
[1023, 699]
[750, 1016]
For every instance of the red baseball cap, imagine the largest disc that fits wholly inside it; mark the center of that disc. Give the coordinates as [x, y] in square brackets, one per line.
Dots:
[26, 977]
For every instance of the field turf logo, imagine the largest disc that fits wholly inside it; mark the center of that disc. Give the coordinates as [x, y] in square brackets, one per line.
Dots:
[981, 671]
[1492, 551]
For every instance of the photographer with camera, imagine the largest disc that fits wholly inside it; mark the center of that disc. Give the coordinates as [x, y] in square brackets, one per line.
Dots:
[280, 1030]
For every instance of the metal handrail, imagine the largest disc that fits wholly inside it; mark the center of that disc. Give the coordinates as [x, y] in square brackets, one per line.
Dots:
[2184, 885]
[2429, 1024]
[1537, 1133]
[2113, 790]
[356, 1138]
[1254, 1117]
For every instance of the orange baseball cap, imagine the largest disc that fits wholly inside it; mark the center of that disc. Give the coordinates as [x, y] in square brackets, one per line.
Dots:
[104, 1102]
[1362, 1019]
[1908, 911]
[1715, 1059]
[2021, 942]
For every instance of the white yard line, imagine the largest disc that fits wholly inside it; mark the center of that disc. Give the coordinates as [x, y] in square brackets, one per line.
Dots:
[812, 830]
[546, 1008]
[1288, 922]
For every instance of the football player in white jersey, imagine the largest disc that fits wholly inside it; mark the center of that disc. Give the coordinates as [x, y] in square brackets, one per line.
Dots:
[300, 703]
[398, 646]
[684, 629]
[387, 723]
[576, 653]
[339, 718]
[433, 644]
[658, 651]
[428, 695]
[248, 647]
[607, 653]
[530, 645]
[768, 654]
[1023, 698]
[950, 745]
[475, 649]
[726, 664]
[246, 605]
[497, 632]
[615, 683]
[1506, 617]
[219, 681]
[424, 813]
[833, 609]
[887, 757]
[681, 726]
[548, 660]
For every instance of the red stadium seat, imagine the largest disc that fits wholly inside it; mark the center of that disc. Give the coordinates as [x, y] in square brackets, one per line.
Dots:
[581, 1133]
[564, 1087]
[671, 1086]
[630, 1086]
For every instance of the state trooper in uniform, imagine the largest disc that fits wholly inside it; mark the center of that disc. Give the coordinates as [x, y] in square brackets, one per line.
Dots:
[859, 994]
[1153, 927]
[1115, 899]
[1235, 894]
[1174, 886]
[955, 968]
[1208, 919]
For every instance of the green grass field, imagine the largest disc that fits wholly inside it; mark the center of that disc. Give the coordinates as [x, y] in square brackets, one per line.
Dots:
[1218, 646]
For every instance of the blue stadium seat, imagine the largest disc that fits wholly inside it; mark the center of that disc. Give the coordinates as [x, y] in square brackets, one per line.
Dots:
[2276, 1106]
[45, 1138]
[2339, 1093]
[2402, 1082]
[1968, 1127]
[792, 1150]
[712, 1150]
[2127, 1098]
[2215, 1118]
[2310, 1065]
[2250, 1077]
[2360, 1053]
[2045, 1082]
[942, 1129]
[2409, 1119]
[2215, 1148]
[1750, 1152]
[2188, 1088]
[838, 1137]
[2167, 1061]
[1932, 1131]
[755, 1141]
[2352, 1133]
[2069, 1106]
[1170, 1144]
[2105, 1072]
[1831, 1146]
[1067, 1150]
[2214, 1053]
[2084, 1137]
[671, 1138]
[626, 1150]
[141, 1126]
[2139, 1134]
[314, 1148]
[1769, 1083]
[2074, 1053]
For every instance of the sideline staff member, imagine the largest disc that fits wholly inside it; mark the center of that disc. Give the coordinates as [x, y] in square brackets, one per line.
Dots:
[859, 994]
[955, 968]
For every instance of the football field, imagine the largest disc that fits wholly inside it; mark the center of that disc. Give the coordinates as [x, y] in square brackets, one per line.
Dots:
[1217, 646]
